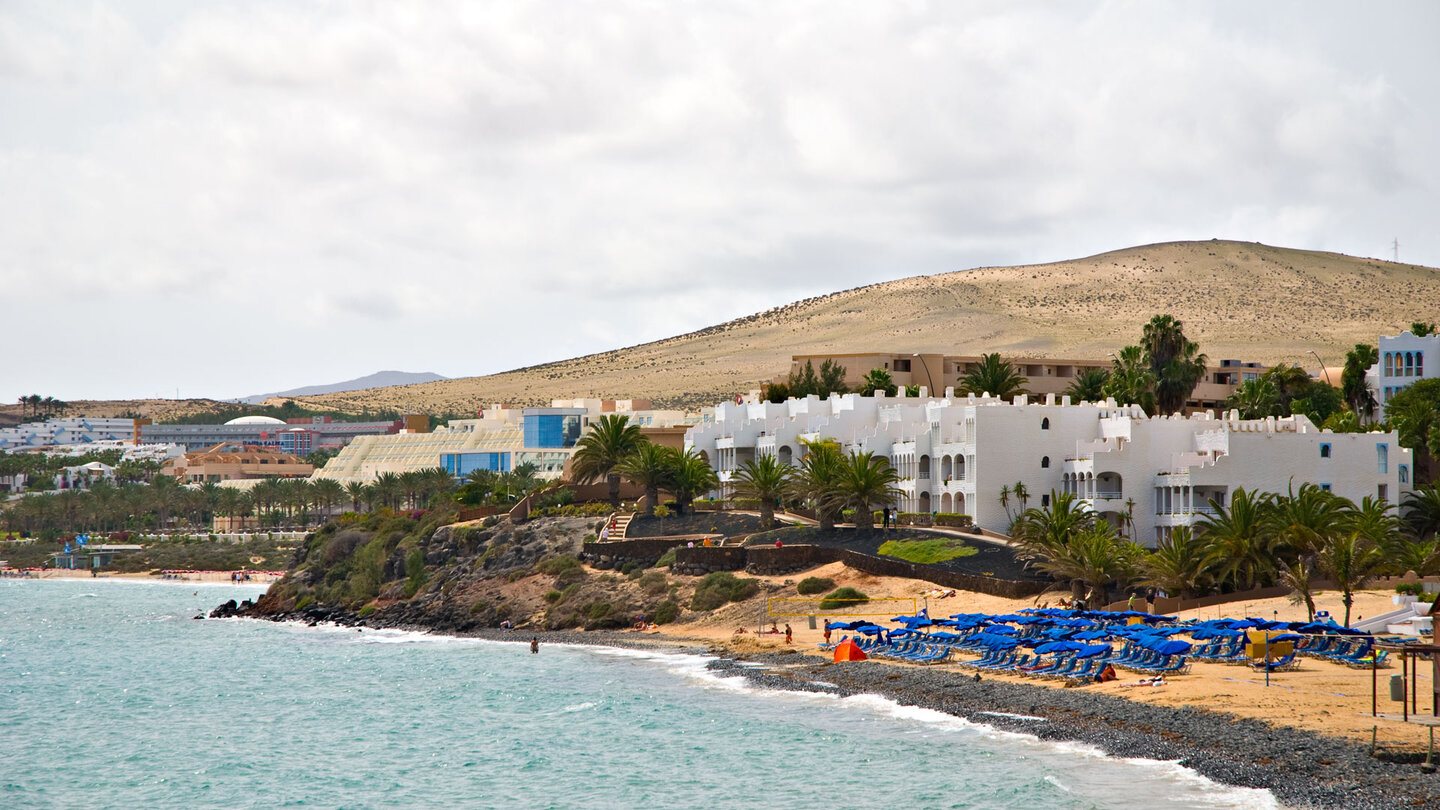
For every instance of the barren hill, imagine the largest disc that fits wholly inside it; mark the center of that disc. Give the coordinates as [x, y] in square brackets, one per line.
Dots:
[1239, 300]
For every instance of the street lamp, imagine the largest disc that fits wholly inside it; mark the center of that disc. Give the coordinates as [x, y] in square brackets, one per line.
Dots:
[1323, 370]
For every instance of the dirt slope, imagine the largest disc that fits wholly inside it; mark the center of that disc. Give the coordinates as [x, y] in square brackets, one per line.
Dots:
[1240, 300]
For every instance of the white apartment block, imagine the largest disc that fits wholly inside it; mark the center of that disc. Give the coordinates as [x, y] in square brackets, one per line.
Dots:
[1404, 359]
[955, 454]
[78, 430]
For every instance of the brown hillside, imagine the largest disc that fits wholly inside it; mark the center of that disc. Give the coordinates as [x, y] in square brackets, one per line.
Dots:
[1239, 300]
[156, 409]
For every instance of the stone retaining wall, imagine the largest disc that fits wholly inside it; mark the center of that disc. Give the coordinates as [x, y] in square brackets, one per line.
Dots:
[645, 551]
[702, 560]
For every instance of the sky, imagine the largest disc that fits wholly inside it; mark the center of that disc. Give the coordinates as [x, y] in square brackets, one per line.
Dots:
[214, 199]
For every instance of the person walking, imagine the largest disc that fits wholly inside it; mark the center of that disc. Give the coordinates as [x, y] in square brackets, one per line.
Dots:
[789, 635]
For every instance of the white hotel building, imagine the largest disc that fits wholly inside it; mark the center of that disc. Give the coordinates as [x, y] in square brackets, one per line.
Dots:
[1404, 359]
[955, 454]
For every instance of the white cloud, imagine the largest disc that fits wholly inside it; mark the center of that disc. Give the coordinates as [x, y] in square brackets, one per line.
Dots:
[474, 186]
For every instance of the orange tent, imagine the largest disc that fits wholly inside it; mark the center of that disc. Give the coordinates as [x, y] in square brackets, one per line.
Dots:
[847, 650]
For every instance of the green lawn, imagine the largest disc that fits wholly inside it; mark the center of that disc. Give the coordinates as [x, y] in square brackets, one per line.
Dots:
[927, 552]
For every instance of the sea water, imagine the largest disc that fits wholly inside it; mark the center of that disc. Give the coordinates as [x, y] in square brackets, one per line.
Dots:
[111, 695]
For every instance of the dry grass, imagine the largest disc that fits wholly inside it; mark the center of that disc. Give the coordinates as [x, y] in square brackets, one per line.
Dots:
[1240, 300]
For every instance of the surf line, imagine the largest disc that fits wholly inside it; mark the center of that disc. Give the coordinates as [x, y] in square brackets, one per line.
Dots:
[1013, 716]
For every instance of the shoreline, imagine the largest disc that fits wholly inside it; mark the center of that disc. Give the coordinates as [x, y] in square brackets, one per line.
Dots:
[1300, 768]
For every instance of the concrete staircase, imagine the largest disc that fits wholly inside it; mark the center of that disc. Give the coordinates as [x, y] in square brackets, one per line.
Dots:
[618, 525]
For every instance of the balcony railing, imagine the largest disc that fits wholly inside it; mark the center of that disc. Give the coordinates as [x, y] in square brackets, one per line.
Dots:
[1109, 496]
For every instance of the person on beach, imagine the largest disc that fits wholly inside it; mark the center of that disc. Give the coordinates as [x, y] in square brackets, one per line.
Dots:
[827, 635]
[534, 644]
[1131, 604]
[789, 635]
[885, 518]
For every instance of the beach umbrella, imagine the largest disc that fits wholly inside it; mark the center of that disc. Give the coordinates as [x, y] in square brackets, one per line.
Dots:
[1090, 635]
[1060, 646]
[1168, 647]
[945, 636]
[1092, 650]
[1002, 629]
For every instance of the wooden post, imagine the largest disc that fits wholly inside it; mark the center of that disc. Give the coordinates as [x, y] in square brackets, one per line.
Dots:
[1404, 675]
[1414, 676]
[1374, 687]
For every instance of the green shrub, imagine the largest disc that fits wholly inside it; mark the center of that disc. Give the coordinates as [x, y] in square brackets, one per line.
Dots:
[367, 610]
[843, 597]
[927, 552]
[1410, 588]
[305, 601]
[416, 574]
[553, 596]
[666, 612]
[479, 606]
[720, 588]
[662, 511]
[632, 569]
[666, 560]
[598, 611]
[653, 583]
[810, 585]
[559, 564]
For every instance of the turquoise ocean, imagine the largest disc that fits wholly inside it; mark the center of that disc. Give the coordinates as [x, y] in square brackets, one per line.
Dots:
[111, 695]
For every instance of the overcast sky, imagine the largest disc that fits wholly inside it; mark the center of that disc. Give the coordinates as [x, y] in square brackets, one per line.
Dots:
[225, 198]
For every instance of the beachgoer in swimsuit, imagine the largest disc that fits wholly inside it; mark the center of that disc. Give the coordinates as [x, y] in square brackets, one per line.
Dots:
[534, 644]
[789, 635]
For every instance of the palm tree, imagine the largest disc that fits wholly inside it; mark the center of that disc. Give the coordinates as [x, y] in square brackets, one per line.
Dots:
[164, 492]
[650, 467]
[610, 439]
[387, 489]
[1236, 537]
[816, 481]
[1044, 536]
[1178, 565]
[993, 376]
[765, 479]
[1256, 399]
[1298, 576]
[1088, 385]
[327, 492]
[1422, 511]
[1131, 381]
[411, 482]
[1350, 560]
[1021, 494]
[877, 379]
[864, 481]
[691, 476]
[1005, 502]
[355, 491]
[1177, 363]
[1304, 522]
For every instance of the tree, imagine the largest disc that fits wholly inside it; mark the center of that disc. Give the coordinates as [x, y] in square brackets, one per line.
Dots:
[327, 492]
[864, 481]
[1298, 576]
[1422, 329]
[804, 382]
[775, 392]
[1256, 399]
[387, 489]
[1236, 536]
[993, 376]
[1350, 560]
[1178, 565]
[355, 491]
[1043, 536]
[1303, 522]
[1414, 413]
[1088, 385]
[832, 379]
[1130, 381]
[1422, 511]
[817, 477]
[1353, 387]
[877, 379]
[1176, 362]
[650, 467]
[765, 479]
[610, 439]
[690, 477]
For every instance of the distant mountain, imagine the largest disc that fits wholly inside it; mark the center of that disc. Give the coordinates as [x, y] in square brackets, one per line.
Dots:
[380, 379]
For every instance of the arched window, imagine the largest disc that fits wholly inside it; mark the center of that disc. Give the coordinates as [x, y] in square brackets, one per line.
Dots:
[1419, 364]
[1044, 501]
[1389, 364]
[1045, 461]
[1045, 423]
[1409, 364]
[1404, 473]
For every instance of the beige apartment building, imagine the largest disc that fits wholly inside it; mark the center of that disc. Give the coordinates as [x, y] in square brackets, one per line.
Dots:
[936, 372]
[231, 461]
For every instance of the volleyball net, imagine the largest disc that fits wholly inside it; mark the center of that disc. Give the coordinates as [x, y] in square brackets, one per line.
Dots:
[831, 609]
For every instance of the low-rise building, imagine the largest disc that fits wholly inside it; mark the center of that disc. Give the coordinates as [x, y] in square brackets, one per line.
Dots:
[298, 436]
[232, 461]
[1147, 474]
[500, 439]
[66, 432]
